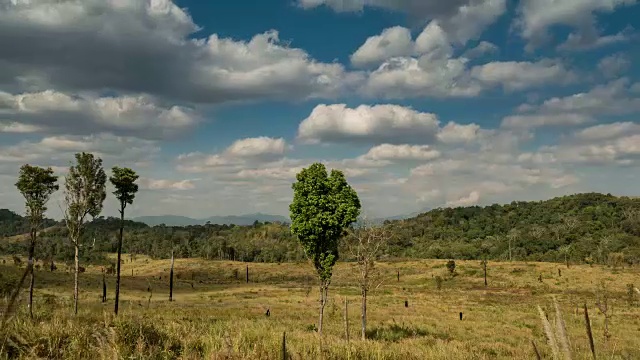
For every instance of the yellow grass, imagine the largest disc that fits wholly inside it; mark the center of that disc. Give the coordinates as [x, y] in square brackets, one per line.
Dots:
[224, 318]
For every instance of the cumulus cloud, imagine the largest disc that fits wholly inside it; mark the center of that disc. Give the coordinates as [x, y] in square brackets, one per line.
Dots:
[240, 152]
[388, 123]
[614, 65]
[613, 98]
[462, 19]
[402, 152]
[483, 48]
[146, 47]
[428, 67]
[514, 75]
[257, 147]
[608, 131]
[53, 112]
[165, 184]
[59, 150]
[468, 200]
[393, 41]
[384, 123]
[537, 16]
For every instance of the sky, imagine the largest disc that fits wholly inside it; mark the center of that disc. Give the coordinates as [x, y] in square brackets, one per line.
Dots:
[421, 103]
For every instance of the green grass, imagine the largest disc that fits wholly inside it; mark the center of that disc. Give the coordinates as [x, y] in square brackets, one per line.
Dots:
[224, 318]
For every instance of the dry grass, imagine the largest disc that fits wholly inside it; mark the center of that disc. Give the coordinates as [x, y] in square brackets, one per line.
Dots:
[224, 318]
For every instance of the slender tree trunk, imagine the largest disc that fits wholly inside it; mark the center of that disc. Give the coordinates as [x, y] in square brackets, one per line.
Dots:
[485, 271]
[104, 289]
[119, 257]
[346, 319]
[171, 279]
[364, 314]
[32, 250]
[324, 288]
[75, 282]
[509, 249]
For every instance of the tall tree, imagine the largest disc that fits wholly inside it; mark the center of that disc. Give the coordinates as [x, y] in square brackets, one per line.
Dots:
[124, 180]
[37, 185]
[85, 191]
[366, 243]
[323, 207]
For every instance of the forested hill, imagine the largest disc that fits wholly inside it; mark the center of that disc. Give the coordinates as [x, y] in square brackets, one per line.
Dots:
[588, 225]
[13, 224]
[581, 227]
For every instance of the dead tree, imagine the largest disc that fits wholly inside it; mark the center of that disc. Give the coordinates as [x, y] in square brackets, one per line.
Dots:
[365, 243]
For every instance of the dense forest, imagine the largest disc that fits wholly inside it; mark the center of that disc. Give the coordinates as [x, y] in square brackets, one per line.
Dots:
[586, 227]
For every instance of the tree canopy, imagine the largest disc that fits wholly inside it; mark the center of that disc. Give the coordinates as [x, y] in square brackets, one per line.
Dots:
[323, 207]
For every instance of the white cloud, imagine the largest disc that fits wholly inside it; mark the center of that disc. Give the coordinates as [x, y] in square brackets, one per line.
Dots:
[53, 112]
[59, 150]
[453, 133]
[468, 200]
[394, 41]
[590, 41]
[241, 152]
[151, 47]
[463, 18]
[608, 131]
[541, 120]
[402, 152]
[389, 123]
[614, 65]
[514, 75]
[165, 184]
[537, 16]
[483, 48]
[257, 147]
[613, 98]
[427, 67]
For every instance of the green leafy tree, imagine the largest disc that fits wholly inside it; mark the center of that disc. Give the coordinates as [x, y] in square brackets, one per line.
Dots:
[85, 191]
[124, 180]
[323, 207]
[37, 185]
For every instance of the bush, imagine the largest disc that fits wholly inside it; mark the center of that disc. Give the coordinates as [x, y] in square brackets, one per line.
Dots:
[451, 266]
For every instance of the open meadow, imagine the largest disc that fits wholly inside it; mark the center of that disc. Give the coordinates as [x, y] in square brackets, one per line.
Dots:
[216, 314]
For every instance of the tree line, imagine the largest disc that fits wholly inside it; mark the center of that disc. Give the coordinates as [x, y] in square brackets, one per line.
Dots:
[579, 228]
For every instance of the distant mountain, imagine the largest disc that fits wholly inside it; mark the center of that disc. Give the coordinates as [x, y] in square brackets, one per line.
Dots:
[399, 217]
[175, 220]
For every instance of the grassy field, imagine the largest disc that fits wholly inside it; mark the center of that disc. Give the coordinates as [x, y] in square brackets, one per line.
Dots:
[215, 316]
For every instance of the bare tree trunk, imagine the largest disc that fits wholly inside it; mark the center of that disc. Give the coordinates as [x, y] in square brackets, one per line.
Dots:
[485, 271]
[323, 301]
[171, 279]
[346, 319]
[509, 249]
[119, 257]
[75, 283]
[104, 288]
[364, 314]
[32, 250]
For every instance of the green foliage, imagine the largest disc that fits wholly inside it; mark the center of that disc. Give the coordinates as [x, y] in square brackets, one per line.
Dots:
[37, 185]
[124, 180]
[323, 207]
[85, 191]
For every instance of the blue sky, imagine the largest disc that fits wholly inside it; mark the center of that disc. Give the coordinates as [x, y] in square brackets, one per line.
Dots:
[422, 103]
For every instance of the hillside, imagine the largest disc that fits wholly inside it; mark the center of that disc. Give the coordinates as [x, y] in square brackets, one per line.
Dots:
[580, 227]
[12, 224]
